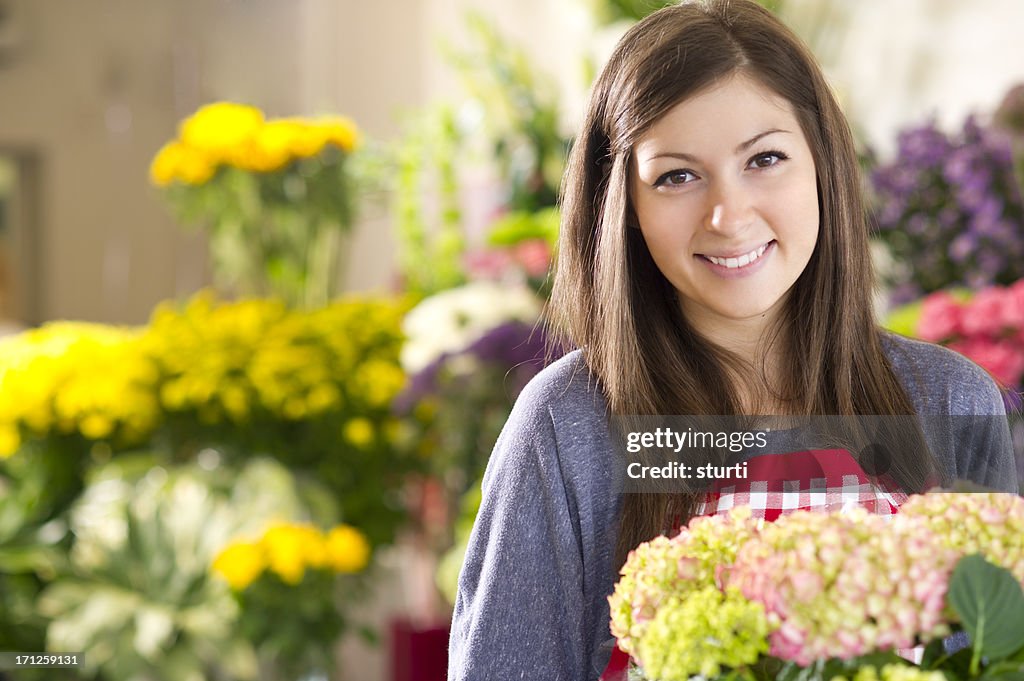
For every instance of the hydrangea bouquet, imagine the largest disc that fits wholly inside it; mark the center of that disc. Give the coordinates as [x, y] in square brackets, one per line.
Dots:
[818, 596]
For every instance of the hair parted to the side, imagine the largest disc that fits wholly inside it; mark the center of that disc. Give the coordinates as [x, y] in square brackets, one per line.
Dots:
[610, 299]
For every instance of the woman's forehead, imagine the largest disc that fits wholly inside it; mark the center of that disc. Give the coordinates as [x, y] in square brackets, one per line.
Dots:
[725, 116]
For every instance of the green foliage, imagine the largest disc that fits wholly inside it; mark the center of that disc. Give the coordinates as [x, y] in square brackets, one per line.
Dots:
[519, 226]
[428, 217]
[37, 485]
[138, 596]
[990, 603]
[513, 113]
[521, 115]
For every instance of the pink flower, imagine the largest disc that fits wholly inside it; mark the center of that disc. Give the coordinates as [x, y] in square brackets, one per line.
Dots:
[940, 317]
[1003, 359]
[534, 256]
[487, 264]
[984, 314]
[1013, 307]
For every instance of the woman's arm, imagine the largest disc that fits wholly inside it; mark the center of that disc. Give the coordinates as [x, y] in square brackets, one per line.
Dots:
[520, 611]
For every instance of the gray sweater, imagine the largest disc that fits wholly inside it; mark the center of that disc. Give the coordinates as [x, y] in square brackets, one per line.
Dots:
[532, 599]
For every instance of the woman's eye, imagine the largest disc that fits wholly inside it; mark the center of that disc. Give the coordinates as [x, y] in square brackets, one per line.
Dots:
[674, 178]
[767, 159]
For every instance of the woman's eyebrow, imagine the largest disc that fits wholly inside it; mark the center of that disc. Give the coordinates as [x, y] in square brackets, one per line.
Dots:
[743, 146]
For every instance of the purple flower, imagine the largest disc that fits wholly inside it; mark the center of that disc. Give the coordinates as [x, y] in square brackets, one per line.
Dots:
[949, 207]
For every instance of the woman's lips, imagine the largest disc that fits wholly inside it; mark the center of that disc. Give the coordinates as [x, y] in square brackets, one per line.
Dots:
[739, 266]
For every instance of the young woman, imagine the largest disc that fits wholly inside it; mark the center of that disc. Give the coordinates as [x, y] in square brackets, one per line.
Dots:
[713, 260]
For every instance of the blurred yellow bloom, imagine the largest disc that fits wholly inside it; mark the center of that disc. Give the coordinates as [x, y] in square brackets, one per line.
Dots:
[96, 426]
[347, 549]
[358, 431]
[286, 552]
[270, 148]
[314, 545]
[305, 139]
[179, 162]
[340, 131]
[240, 564]
[221, 130]
[66, 377]
[10, 440]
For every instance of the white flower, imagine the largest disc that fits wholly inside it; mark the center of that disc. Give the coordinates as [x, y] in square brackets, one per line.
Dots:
[450, 321]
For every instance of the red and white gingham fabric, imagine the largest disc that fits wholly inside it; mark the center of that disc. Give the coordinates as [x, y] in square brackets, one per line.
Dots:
[777, 484]
[818, 480]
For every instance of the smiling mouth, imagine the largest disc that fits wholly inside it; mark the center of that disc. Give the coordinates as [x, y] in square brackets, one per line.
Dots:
[739, 261]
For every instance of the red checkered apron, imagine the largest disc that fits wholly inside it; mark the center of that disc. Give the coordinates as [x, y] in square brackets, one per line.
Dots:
[776, 484]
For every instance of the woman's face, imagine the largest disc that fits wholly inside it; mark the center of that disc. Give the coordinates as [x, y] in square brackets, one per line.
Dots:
[724, 187]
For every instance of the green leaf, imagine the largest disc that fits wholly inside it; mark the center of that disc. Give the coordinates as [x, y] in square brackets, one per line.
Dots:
[933, 652]
[990, 603]
[1011, 675]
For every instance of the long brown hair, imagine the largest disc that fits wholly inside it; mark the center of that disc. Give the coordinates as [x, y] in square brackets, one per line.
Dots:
[610, 299]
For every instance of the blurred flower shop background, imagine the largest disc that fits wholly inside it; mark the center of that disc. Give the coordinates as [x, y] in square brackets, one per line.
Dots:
[272, 274]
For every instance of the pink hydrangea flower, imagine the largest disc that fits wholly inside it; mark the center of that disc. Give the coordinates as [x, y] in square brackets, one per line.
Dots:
[940, 317]
[1004, 359]
[838, 585]
[985, 313]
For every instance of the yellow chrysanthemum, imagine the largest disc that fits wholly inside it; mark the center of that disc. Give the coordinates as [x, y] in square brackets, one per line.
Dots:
[269, 149]
[177, 162]
[347, 549]
[221, 130]
[240, 564]
[306, 139]
[358, 431]
[67, 377]
[291, 549]
[339, 131]
[10, 439]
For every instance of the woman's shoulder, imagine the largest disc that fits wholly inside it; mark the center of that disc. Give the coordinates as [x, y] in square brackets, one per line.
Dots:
[939, 380]
[566, 387]
[562, 413]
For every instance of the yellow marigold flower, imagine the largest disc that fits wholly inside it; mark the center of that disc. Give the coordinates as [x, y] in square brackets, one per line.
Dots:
[285, 552]
[10, 440]
[358, 431]
[96, 426]
[340, 131]
[306, 139]
[240, 564]
[323, 398]
[295, 408]
[269, 149]
[314, 545]
[378, 381]
[179, 162]
[221, 130]
[235, 400]
[164, 168]
[347, 549]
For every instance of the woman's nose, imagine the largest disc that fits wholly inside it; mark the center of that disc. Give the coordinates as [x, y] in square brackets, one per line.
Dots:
[730, 210]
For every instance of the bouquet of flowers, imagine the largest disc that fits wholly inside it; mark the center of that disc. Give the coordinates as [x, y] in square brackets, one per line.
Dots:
[275, 195]
[831, 596]
[290, 584]
[949, 209]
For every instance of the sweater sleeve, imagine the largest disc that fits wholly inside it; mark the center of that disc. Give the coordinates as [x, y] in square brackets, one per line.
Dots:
[962, 409]
[520, 611]
[987, 456]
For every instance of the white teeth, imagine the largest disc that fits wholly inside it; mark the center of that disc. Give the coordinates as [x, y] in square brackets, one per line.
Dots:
[741, 261]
